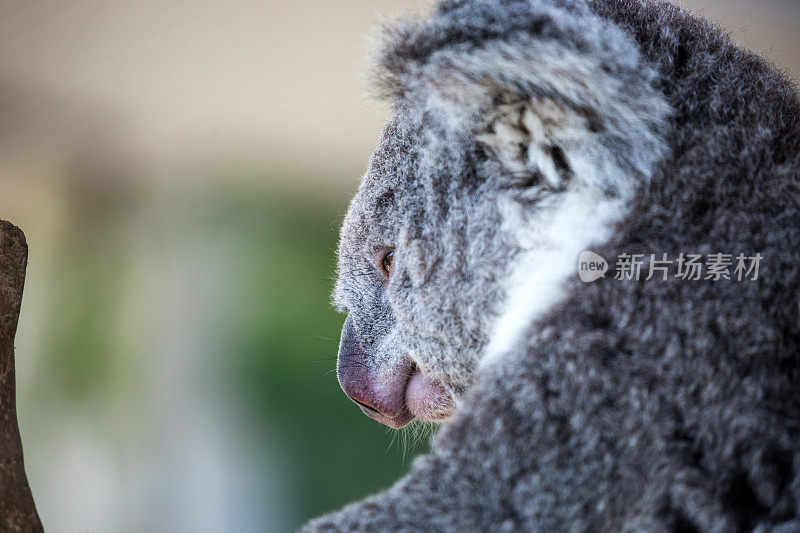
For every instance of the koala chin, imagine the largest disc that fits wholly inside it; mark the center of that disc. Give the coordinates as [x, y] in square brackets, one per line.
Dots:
[523, 133]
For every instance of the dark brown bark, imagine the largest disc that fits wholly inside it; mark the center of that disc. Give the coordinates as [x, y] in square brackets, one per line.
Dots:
[17, 510]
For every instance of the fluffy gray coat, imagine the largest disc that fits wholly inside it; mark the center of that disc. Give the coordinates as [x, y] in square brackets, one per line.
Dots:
[624, 127]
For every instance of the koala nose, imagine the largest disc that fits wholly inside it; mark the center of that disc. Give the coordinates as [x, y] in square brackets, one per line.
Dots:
[378, 391]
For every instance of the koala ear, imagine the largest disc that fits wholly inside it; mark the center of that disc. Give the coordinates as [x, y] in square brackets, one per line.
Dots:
[552, 93]
[538, 136]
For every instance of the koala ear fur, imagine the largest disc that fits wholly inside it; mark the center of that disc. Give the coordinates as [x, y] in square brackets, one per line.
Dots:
[536, 135]
[563, 93]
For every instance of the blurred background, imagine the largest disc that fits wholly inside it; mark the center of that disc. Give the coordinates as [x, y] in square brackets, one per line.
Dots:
[180, 170]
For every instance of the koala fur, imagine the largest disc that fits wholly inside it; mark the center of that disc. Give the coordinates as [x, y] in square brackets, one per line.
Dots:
[527, 131]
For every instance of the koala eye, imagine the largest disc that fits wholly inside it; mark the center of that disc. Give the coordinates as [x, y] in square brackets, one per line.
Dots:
[387, 263]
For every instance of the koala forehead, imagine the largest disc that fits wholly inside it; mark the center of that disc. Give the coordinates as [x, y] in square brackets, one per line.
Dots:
[378, 211]
[383, 203]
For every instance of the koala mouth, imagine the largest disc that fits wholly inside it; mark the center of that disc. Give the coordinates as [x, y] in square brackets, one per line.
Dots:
[427, 399]
[421, 397]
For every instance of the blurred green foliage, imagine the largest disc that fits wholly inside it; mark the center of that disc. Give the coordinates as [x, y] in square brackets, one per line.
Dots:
[285, 358]
[274, 372]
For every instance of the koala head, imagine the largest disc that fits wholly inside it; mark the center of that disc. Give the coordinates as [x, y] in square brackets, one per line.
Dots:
[501, 161]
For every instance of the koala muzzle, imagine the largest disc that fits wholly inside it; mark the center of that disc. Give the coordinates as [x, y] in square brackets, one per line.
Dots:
[389, 388]
[378, 388]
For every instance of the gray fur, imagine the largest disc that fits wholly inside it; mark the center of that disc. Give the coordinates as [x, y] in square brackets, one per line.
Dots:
[658, 405]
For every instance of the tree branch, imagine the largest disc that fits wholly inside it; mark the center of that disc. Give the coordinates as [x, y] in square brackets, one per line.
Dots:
[17, 510]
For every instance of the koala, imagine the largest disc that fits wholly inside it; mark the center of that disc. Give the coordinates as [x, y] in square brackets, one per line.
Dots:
[523, 133]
